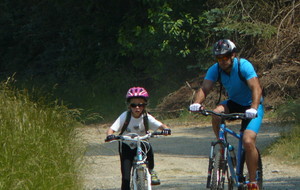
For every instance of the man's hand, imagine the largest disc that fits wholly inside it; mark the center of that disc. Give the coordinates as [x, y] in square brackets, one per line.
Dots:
[251, 113]
[195, 107]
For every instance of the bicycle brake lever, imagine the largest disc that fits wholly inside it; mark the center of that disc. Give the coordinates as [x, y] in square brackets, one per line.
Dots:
[204, 112]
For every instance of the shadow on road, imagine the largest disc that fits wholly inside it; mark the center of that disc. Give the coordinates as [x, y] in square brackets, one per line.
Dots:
[282, 183]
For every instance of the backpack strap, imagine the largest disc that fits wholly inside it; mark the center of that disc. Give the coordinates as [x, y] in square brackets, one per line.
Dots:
[127, 120]
[245, 81]
[221, 85]
[240, 73]
[146, 121]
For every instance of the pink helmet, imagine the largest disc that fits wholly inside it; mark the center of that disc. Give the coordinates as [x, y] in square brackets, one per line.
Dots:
[136, 92]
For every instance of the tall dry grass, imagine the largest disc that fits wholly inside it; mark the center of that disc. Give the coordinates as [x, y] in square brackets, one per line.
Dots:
[38, 144]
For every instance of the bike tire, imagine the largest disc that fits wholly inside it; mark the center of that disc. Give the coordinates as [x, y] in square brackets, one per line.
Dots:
[230, 182]
[218, 179]
[210, 168]
[230, 179]
[259, 171]
[140, 178]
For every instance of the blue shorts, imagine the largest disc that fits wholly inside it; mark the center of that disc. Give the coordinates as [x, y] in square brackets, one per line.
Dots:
[249, 124]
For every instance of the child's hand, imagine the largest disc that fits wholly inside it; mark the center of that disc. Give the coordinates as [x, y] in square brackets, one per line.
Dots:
[110, 138]
[166, 131]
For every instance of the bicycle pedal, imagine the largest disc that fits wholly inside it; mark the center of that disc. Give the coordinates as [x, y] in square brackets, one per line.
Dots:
[252, 186]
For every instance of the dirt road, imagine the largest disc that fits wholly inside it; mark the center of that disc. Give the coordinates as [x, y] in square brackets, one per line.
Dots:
[180, 160]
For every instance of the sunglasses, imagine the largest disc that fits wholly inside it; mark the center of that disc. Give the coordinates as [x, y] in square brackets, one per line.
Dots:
[225, 58]
[139, 105]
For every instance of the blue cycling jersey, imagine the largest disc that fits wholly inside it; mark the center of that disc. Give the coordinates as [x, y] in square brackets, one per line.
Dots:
[237, 89]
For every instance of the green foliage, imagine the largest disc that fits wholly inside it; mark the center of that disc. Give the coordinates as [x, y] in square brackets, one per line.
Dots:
[38, 143]
[290, 111]
[93, 51]
[244, 26]
[234, 19]
[182, 30]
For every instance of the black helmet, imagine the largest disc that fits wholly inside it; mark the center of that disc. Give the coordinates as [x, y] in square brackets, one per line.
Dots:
[223, 47]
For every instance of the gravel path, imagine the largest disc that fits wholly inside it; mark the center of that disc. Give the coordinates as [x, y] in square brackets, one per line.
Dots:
[180, 160]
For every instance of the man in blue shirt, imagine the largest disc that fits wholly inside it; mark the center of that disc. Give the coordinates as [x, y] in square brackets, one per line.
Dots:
[244, 96]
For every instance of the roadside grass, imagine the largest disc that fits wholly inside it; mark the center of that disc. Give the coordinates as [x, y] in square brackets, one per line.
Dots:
[38, 142]
[286, 148]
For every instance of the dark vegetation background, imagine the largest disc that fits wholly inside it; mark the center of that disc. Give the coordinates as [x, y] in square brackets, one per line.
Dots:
[86, 54]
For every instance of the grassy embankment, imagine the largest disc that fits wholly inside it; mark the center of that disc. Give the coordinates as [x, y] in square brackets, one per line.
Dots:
[38, 144]
[286, 148]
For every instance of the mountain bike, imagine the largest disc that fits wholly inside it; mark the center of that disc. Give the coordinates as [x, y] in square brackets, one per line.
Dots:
[140, 175]
[224, 164]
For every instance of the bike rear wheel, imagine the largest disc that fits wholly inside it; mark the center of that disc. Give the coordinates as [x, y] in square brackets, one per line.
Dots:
[243, 172]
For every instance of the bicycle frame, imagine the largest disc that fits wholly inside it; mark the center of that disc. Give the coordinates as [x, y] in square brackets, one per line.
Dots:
[139, 164]
[236, 177]
[222, 138]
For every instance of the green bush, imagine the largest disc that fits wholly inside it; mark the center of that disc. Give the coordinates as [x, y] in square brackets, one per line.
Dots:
[38, 146]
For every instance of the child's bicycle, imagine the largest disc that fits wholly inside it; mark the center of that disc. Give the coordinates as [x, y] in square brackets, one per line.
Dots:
[225, 165]
[140, 175]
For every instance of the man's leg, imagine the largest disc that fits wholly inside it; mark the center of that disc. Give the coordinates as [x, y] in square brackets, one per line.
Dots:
[249, 141]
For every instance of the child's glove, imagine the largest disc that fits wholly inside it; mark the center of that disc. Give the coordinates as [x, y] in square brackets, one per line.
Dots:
[166, 131]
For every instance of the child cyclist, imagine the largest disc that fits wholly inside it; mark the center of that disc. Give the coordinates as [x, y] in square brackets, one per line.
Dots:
[133, 121]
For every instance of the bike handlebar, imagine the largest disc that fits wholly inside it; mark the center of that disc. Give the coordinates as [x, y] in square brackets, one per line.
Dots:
[223, 115]
[135, 137]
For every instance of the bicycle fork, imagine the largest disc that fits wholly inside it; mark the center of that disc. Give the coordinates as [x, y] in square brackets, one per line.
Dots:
[210, 165]
[140, 165]
[212, 161]
[146, 176]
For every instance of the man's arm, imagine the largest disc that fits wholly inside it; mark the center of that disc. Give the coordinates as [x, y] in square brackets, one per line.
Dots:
[202, 93]
[255, 87]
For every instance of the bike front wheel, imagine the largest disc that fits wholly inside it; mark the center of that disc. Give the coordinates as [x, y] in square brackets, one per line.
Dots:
[141, 179]
[218, 172]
